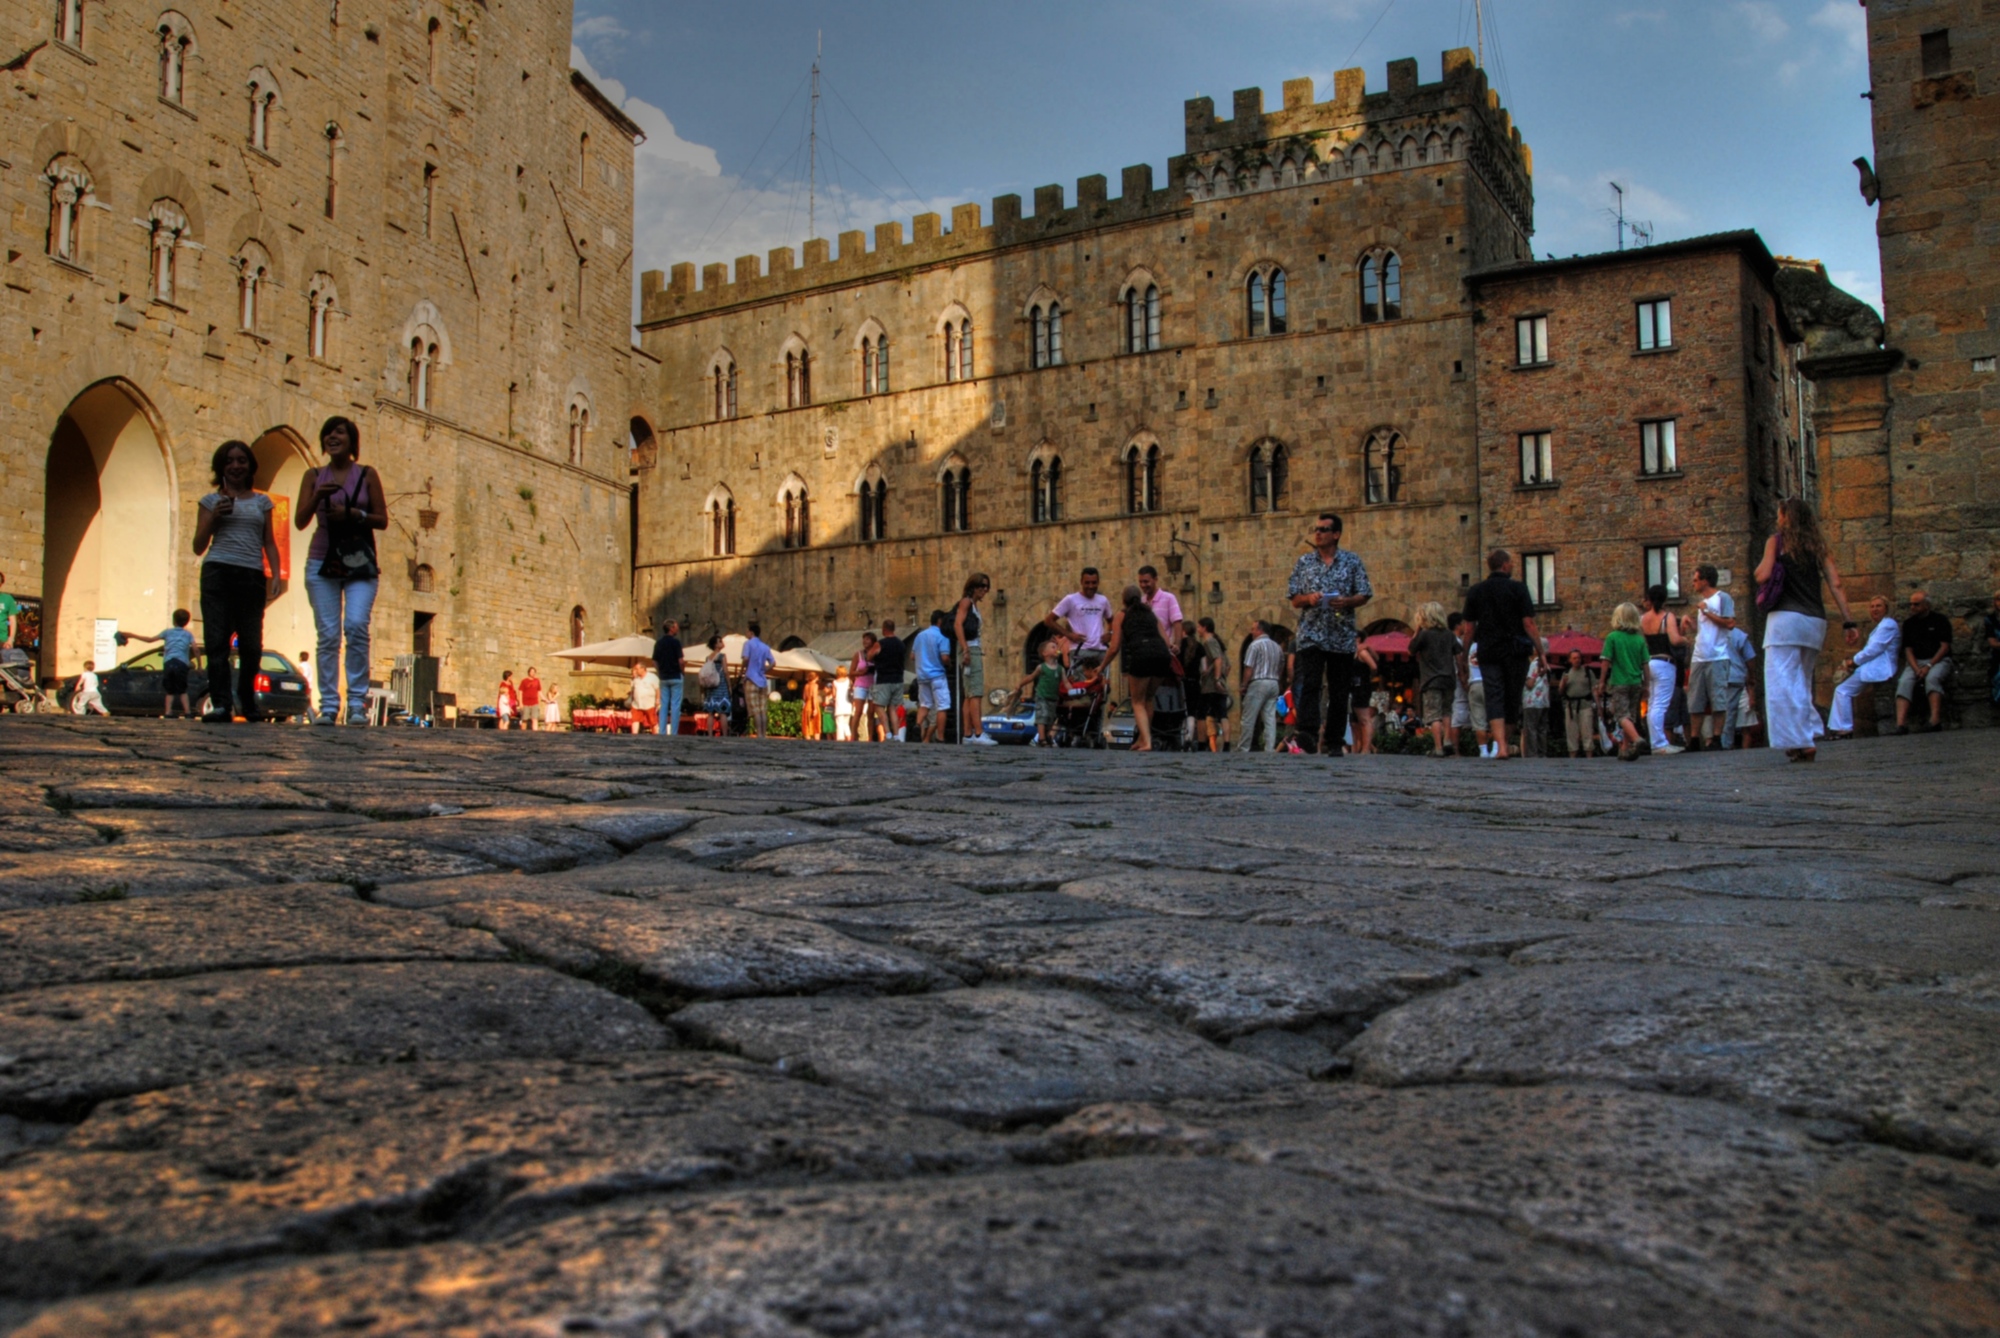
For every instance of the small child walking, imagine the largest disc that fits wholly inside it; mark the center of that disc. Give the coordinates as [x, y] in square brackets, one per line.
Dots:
[176, 662]
[1047, 680]
[84, 695]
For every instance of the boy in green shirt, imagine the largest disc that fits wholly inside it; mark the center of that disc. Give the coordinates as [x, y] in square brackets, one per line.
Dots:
[1047, 681]
[1625, 657]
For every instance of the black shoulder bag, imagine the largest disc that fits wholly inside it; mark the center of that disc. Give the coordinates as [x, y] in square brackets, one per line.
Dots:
[350, 547]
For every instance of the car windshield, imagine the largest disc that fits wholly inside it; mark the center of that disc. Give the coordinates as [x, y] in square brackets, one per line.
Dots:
[274, 663]
[149, 663]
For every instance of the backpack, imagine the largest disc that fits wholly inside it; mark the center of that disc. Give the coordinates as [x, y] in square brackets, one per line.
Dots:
[711, 673]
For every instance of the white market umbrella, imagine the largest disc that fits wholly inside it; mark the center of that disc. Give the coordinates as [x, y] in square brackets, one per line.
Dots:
[803, 660]
[622, 651]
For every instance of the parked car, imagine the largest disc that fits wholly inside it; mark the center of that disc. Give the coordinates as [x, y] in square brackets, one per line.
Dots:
[135, 687]
[1014, 723]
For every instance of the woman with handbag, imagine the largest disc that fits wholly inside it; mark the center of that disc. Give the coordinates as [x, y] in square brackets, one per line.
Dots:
[232, 533]
[1788, 590]
[346, 497]
[1140, 646]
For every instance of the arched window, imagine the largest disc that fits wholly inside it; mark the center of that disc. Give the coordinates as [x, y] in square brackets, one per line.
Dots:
[1382, 463]
[69, 186]
[1270, 472]
[1265, 291]
[176, 44]
[322, 300]
[430, 197]
[722, 386]
[1142, 478]
[958, 349]
[69, 22]
[579, 425]
[1381, 287]
[798, 379]
[169, 226]
[434, 34]
[798, 513]
[955, 496]
[1142, 318]
[1045, 325]
[875, 364]
[1045, 489]
[253, 273]
[721, 514]
[873, 493]
[335, 142]
[423, 368]
[576, 626]
[263, 97]
[583, 160]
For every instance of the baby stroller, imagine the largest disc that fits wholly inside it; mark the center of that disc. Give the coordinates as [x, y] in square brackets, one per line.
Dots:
[1170, 715]
[18, 690]
[1080, 708]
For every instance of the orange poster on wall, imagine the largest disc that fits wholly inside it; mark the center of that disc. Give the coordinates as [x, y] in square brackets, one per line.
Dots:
[281, 529]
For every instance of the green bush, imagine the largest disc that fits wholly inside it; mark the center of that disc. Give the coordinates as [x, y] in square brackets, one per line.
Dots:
[784, 719]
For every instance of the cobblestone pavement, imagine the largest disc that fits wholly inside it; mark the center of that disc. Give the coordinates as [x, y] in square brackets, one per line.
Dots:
[380, 1032]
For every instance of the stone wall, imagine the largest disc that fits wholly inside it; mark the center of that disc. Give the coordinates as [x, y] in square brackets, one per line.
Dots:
[1434, 174]
[466, 213]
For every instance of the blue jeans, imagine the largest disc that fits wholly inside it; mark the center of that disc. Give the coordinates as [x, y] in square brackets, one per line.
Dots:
[333, 622]
[670, 705]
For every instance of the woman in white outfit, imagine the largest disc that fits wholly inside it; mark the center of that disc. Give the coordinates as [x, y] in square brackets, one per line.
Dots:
[1662, 632]
[1796, 627]
[1873, 663]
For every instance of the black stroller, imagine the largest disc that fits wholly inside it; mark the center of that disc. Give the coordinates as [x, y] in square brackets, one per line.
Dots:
[1170, 715]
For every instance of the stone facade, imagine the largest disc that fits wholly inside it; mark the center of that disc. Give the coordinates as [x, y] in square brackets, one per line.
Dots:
[387, 185]
[1597, 379]
[1163, 413]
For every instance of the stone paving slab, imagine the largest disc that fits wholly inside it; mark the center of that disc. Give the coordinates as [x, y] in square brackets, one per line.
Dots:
[69, 1047]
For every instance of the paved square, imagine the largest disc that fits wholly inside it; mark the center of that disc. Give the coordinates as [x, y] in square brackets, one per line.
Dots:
[413, 1032]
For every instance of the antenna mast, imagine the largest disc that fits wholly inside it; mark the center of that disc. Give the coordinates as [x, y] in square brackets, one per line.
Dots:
[812, 148]
[1479, 29]
[1621, 213]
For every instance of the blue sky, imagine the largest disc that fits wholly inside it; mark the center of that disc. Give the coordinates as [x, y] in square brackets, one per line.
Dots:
[1714, 114]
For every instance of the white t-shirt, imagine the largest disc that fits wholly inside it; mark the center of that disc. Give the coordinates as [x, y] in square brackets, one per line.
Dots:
[843, 700]
[646, 692]
[238, 538]
[86, 683]
[1709, 639]
[1087, 617]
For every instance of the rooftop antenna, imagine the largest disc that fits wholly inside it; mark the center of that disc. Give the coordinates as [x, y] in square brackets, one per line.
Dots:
[1479, 29]
[1642, 233]
[1620, 190]
[812, 148]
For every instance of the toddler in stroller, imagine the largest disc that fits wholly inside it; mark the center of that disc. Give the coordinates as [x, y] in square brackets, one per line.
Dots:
[1080, 706]
[18, 689]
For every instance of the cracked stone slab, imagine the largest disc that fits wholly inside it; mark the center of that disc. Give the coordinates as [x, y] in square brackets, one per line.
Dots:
[693, 951]
[208, 824]
[1186, 892]
[184, 791]
[1800, 881]
[1916, 1074]
[530, 846]
[312, 1160]
[944, 913]
[1416, 923]
[721, 840]
[869, 855]
[65, 879]
[1124, 1249]
[1228, 980]
[69, 1047]
[1793, 1219]
[986, 1056]
[642, 875]
[297, 924]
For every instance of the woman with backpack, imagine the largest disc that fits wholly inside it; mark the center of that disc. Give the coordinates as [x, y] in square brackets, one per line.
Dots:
[1788, 590]
[348, 500]
[713, 679]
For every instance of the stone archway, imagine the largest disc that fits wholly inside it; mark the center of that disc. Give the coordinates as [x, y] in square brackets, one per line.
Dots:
[109, 525]
[282, 461]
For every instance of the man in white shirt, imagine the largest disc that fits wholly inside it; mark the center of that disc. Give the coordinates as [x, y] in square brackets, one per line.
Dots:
[1162, 602]
[1873, 663]
[1708, 665]
[1263, 665]
[1087, 613]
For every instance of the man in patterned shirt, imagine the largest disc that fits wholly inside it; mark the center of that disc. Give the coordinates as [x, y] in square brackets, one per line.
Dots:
[1327, 586]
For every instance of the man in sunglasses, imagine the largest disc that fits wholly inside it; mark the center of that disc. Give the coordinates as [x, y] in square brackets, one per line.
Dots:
[1327, 586]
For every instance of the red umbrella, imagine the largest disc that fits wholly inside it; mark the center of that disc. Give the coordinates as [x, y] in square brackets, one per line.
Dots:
[1562, 643]
[1389, 643]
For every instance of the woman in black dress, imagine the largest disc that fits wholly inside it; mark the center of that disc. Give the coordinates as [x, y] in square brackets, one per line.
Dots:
[1143, 655]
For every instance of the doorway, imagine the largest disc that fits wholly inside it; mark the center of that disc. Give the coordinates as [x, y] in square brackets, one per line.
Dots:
[109, 526]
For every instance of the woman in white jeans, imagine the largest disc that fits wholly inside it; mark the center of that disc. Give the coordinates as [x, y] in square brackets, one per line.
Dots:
[1795, 629]
[1662, 632]
[346, 497]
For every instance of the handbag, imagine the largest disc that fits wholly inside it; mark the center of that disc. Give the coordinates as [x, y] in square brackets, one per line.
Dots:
[1771, 589]
[350, 549]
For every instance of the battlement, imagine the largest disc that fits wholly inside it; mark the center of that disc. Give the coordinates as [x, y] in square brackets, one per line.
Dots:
[1353, 133]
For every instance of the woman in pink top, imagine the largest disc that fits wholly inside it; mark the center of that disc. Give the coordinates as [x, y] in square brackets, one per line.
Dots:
[862, 683]
[346, 497]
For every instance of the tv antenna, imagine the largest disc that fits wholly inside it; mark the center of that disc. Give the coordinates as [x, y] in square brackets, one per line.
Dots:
[1641, 233]
[812, 143]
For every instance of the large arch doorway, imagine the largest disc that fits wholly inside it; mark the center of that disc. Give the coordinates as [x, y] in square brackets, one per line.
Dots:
[109, 526]
[281, 467]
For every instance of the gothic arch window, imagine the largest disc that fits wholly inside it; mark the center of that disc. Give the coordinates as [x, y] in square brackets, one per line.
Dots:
[253, 277]
[1381, 287]
[958, 348]
[1142, 317]
[1045, 347]
[434, 35]
[1264, 296]
[423, 367]
[1045, 484]
[797, 508]
[720, 512]
[874, 361]
[798, 376]
[335, 142]
[1270, 476]
[722, 386]
[872, 491]
[1142, 477]
[69, 187]
[1382, 461]
[431, 175]
[583, 160]
[955, 495]
[169, 226]
[264, 95]
[176, 45]
[322, 301]
[69, 22]
[576, 623]
[579, 427]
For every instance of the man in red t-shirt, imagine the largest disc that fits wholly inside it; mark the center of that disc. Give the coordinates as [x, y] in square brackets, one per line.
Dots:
[531, 700]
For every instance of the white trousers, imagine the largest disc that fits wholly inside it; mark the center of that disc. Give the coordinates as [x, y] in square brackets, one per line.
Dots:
[87, 701]
[1840, 716]
[1789, 714]
[1660, 700]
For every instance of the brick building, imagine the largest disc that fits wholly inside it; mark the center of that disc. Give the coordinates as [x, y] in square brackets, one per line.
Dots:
[1640, 412]
[233, 221]
[1184, 372]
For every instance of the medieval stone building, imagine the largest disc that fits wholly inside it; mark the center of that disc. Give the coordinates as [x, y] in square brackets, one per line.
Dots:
[1181, 374]
[229, 220]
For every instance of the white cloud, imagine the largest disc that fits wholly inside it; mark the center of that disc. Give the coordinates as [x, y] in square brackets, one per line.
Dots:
[1864, 284]
[1762, 20]
[1847, 22]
